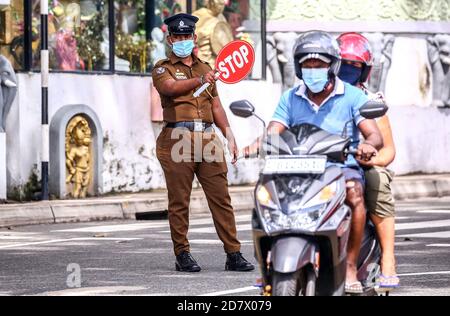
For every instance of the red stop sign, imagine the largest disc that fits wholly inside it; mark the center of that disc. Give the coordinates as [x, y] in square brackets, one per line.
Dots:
[235, 61]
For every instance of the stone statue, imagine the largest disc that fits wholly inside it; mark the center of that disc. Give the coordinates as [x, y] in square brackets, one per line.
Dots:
[158, 50]
[212, 30]
[119, 63]
[8, 89]
[78, 156]
[272, 60]
[439, 55]
[382, 50]
[285, 45]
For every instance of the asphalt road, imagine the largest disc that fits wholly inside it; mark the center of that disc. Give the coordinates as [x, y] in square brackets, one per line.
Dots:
[135, 257]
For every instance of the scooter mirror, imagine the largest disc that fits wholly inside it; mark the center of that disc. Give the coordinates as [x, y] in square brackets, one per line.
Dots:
[242, 108]
[373, 109]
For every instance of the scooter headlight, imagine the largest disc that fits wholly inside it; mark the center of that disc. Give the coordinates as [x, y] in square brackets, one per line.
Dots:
[323, 197]
[297, 215]
[264, 198]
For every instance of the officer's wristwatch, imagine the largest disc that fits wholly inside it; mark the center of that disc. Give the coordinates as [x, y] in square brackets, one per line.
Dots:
[202, 77]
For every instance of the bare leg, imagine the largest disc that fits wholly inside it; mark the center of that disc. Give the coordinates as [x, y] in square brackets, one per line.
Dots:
[385, 228]
[355, 200]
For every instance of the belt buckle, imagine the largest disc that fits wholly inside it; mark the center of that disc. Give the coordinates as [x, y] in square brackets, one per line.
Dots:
[198, 127]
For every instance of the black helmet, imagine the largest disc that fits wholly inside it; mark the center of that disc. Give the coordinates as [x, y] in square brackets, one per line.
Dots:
[320, 45]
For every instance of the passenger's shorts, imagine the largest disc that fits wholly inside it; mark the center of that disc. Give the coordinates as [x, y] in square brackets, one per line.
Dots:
[378, 193]
[355, 174]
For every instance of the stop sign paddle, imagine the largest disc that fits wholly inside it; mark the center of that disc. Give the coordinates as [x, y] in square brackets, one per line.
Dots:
[234, 62]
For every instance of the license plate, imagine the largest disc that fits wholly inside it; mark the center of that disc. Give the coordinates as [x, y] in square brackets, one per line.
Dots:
[294, 164]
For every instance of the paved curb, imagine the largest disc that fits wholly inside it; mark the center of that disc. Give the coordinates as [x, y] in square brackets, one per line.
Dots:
[26, 214]
[420, 187]
[71, 211]
[127, 206]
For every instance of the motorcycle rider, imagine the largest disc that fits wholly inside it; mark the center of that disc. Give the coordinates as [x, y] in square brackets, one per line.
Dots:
[322, 99]
[357, 61]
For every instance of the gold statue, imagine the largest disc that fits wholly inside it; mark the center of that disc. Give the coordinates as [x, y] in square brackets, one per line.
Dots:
[213, 30]
[78, 156]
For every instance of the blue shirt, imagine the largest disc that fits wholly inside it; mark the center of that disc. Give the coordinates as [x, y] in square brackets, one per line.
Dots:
[341, 106]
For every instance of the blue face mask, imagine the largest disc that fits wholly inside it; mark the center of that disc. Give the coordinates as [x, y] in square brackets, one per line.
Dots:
[315, 78]
[350, 73]
[183, 48]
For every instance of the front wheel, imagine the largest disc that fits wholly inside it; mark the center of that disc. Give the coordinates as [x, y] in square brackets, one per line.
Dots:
[311, 279]
[284, 284]
[300, 283]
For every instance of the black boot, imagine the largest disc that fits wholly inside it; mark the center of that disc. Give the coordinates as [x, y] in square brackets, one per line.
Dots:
[236, 262]
[185, 262]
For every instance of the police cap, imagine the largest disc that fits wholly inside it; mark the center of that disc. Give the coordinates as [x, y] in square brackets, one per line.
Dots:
[181, 23]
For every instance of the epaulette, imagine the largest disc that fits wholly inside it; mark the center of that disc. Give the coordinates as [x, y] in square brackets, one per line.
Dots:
[160, 62]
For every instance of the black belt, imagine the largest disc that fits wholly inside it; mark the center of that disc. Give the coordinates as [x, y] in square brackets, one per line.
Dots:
[192, 126]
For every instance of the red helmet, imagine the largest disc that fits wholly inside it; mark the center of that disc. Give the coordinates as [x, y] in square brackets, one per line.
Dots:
[355, 47]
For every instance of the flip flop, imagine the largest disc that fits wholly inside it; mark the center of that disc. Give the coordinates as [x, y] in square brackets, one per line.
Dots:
[354, 288]
[388, 282]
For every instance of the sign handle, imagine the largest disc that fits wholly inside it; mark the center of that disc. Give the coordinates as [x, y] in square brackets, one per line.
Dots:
[201, 89]
[205, 86]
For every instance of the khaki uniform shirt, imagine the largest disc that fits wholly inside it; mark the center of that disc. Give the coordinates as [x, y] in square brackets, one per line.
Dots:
[185, 107]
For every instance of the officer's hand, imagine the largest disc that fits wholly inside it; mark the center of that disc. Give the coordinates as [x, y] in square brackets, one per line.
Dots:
[209, 77]
[252, 150]
[366, 152]
[232, 147]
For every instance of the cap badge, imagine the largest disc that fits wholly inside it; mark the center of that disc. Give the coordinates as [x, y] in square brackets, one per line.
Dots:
[181, 23]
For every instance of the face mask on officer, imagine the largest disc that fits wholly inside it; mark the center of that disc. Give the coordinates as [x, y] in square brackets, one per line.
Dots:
[315, 78]
[183, 48]
[350, 73]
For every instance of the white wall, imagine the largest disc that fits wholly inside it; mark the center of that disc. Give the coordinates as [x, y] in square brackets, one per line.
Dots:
[264, 96]
[122, 103]
[422, 139]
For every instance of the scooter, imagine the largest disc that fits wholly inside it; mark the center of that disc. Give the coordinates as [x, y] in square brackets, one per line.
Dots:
[300, 222]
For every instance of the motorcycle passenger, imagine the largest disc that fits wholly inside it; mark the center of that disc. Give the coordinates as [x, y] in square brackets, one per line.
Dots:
[322, 99]
[357, 61]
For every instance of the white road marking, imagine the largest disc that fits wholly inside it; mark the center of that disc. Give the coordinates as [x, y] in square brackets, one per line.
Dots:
[427, 224]
[444, 234]
[113, 228]
[54, 241]
[141, 226]
[89, 291]
[435, 212]
[438, 245]
[211, 241]
[15, 237]
[208, 230]
[239, 290]
[401, 226]
[424, 273]
[208, 220]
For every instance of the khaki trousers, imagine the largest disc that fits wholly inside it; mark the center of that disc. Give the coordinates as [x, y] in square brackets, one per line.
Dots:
[175, 144]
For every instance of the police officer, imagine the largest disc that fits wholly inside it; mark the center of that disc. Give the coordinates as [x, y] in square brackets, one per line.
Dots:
[188, 146]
